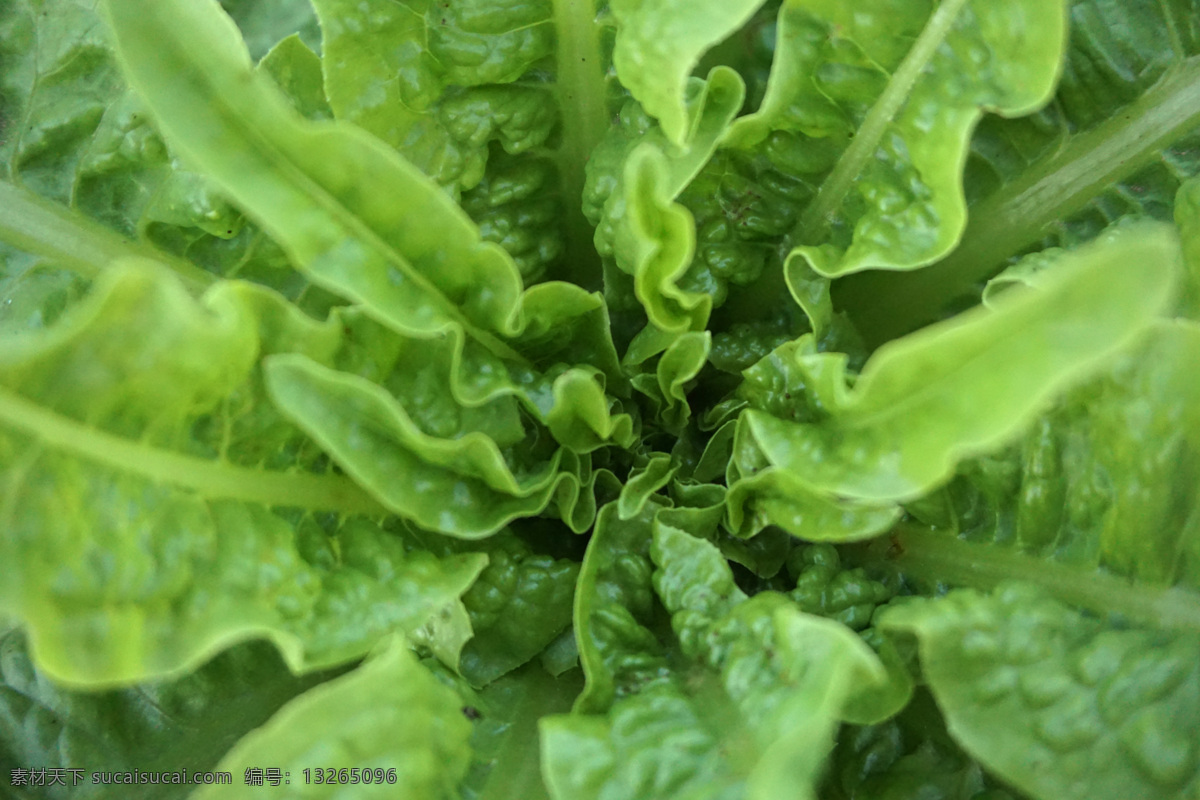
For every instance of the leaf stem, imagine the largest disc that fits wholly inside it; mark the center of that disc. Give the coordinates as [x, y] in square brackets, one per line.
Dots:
[942, 556]
[581, 100]
[213, 479]
[814, 222]
[890, 304]
[46, 228]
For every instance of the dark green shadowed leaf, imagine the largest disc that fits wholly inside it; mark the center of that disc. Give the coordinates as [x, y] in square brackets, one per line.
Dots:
[517, 608]
[909, 756]
[505, 759]
[390, 714]
[186, 724]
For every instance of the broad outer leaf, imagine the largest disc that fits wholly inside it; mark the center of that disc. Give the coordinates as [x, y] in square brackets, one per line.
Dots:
[138, 480]
[1061, 705]
[356, 217]
[959, 387]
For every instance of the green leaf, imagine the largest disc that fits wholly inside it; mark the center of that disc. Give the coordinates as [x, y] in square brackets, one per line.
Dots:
[281, 373]
[389, 714]
[643, 482]
[445, 634]
[1187, 219]
[658, 45]
[516, 205]
[1117, 140]
[73, 141]
[518, 606]
[614, 603]
[751, 716]
[266, 25]
[1059, 704]
[675, 371]
[924, 402]
[437, 82]
[633, 180]
[297, 71]
[779, 497]
[1096, 503]
[1103, 479]
[58, 80]
[505, 759]
[35, 294]
[561, 655]
[660, 237]
[909, 756]
[826, 588]
[899, 90]
[744, 204]
[371, 434]
[83, 152]
[694, 583]
[501, 101]
[141, 473]
[347, 239]
[379, 253]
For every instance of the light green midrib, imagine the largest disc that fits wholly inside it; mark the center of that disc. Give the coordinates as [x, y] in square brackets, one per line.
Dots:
[814, 222]
[45, 228]
[888, 304]
[211, 479]
[941, 556]
[581, 97]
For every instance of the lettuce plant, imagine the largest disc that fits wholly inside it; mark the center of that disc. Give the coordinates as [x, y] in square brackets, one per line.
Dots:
[615, 399]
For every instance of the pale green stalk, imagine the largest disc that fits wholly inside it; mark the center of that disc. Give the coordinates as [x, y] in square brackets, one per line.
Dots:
[581, 98]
